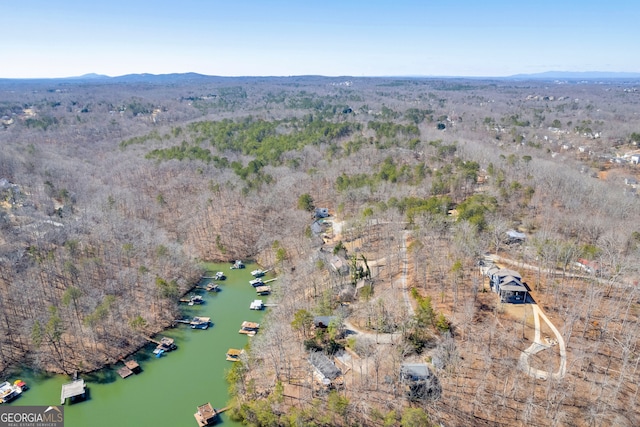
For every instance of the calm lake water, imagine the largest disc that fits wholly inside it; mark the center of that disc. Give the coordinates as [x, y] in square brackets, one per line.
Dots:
[169, 389]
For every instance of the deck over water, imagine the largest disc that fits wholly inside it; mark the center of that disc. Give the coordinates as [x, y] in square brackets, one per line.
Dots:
[72, 389]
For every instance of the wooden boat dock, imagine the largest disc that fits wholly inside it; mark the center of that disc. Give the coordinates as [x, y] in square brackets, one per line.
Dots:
[72, 390]
[206, 415]
[130, 367]
[249, 328]
[211, 287]
[238, 265]
[193, 300]
[125, 372]
[233, 354]
[263, 290]
[165, 345]
[259, 273]
[200, 322]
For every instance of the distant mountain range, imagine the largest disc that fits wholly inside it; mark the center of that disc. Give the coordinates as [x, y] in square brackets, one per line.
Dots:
[195, 77]
[576, 75]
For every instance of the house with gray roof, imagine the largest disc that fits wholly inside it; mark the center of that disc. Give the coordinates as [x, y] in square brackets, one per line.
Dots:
[324, 370]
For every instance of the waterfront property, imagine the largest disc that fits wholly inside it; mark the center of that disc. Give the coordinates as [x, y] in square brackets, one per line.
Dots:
[237, 265]
[193, 300]
[233, 354]
[206, 415]
[263, 290]
[212, 287]
[73, 391]
[256, 282]
[258, 273]
[142, 400]
[130, 367]
[165, 345]
[125, 372]
[200, 322]
[256, 305]
[249, 328]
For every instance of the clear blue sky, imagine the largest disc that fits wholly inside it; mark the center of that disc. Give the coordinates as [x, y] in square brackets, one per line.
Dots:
[60, 38]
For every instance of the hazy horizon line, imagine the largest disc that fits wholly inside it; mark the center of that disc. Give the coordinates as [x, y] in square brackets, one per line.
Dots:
[544, 74]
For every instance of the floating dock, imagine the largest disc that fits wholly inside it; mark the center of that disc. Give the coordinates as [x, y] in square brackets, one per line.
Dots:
[259, 282]
[256, 305]
[130, 367]
[193, 300]
[259, 273]
[200, 322]
[237, 265]
[165, 345]
[233, 354]
[249, 328]
[125, 372]
[263, 290]
[206, 415]
[72, 390]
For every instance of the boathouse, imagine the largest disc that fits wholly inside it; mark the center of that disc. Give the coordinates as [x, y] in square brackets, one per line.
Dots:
[234, 354]
[263, 290]
[200, 322]
[249, 328]
[206, 415]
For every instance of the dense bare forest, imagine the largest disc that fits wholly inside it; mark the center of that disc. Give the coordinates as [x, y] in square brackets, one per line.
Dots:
[114, 190]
